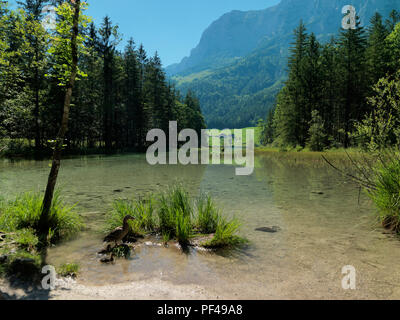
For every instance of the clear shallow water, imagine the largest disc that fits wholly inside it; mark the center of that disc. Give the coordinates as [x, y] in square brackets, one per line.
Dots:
[320, 233]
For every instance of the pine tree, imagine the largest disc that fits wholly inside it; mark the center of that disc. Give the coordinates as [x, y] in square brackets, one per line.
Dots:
[318, 137]
[295, 86]
[37, 41]
[109, 39]
[377, 52]
[311, 81]
[394, 19]
[352, 66]
[131, 70]
[195, 119]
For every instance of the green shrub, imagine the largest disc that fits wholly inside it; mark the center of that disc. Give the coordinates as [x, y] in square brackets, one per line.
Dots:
[208, 215]
[15, 147]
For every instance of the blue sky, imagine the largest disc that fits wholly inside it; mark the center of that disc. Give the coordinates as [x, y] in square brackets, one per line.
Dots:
[171, 27]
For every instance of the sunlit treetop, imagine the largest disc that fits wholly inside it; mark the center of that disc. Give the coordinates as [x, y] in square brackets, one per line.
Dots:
[60, 47]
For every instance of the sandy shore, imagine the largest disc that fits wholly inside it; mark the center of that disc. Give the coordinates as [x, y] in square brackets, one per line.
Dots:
[68, 289]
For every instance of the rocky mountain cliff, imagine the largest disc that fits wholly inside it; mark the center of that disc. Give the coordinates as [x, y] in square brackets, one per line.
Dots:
[240, 61]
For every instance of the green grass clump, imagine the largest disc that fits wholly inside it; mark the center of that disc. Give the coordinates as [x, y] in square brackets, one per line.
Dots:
[183, 227]
[386, 195]
[226, 235]
[208, 216]
[27, 239]
[173, 217]
[24, 213]
[174, 206]
[19, 221]
[69, 270]
[142, 210]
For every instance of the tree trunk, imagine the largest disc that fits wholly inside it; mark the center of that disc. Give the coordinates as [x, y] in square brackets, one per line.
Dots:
[48, 198]
[36, 113]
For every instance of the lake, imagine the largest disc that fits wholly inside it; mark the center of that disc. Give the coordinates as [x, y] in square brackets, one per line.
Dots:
[324, 226]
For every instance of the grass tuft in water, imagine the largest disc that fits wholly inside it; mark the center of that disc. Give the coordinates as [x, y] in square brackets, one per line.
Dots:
[226, 235]
[173, 203]
[142, 210]
[173, 216]
[208, 215]
[183, 227]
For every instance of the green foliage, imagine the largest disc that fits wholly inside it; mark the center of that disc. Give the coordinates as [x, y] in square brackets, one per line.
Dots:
[60, 49]
[118, 98]
[24, 213]
[381, 128]
[324, 101]
[69, 270]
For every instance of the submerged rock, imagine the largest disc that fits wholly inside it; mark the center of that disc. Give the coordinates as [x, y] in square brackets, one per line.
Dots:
[317, 192]
[273, 229]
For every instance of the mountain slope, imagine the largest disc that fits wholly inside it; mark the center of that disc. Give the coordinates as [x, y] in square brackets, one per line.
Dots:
[240, 62]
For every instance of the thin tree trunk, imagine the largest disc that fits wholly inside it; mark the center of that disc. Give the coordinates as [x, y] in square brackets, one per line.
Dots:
[48, 198]
[36, 115]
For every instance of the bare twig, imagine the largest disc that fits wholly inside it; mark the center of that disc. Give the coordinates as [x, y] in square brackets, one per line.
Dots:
[361, 182]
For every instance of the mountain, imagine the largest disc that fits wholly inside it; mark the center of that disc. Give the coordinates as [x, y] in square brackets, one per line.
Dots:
[240, 62]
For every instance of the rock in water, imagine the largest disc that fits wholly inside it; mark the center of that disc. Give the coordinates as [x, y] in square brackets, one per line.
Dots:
[317, 192]
[273, 229]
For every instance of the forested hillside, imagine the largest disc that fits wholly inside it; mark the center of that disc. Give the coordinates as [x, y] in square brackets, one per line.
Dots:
[240, 62]
[119, 95]
[342, 93]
